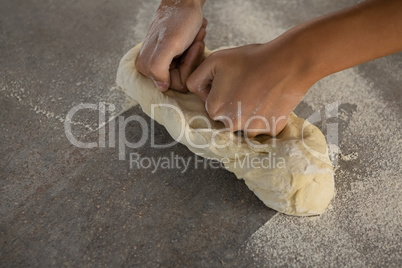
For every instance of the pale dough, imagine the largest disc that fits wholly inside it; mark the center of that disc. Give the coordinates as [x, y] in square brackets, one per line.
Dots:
[303, 186]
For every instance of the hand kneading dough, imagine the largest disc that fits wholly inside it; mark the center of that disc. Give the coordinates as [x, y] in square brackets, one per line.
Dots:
[301, 184]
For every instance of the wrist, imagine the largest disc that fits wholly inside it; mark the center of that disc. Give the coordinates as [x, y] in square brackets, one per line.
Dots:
[296, 60]
[309, 53]
[307, 49]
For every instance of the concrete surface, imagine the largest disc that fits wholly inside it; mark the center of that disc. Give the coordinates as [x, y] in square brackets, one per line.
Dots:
[61, 205]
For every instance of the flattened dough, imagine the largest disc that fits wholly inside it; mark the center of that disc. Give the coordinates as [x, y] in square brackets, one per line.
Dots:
[303, 186]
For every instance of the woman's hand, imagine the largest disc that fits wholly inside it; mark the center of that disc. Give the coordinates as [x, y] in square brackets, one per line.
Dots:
[174, 43]
[253, 88]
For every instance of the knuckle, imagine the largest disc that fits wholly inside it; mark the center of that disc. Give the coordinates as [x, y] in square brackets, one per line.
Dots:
[139, 64]
[256, 127]
[154, 70]
[175, 46]
[190, 85]
[215, 56]
[211, 110]
[251, 134]
[215, 111]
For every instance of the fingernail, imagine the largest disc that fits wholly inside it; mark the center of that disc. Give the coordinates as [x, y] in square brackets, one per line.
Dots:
[161, 85]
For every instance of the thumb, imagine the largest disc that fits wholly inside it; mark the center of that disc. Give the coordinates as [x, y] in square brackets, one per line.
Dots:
[200, 81]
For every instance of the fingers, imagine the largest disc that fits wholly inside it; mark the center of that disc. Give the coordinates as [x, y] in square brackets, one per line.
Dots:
[182, 67]
[202, 32]
[261, 124]
[256, 125]
[158, 60]
[204, 23]
[201, 35]
[200, 81]
[192, 60]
